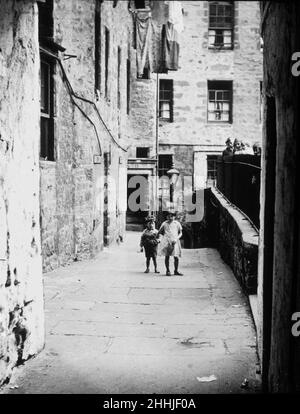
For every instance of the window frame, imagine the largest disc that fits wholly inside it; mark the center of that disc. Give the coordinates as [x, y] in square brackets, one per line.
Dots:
[107, 59]
[119, 63]
[166, 99]
[220, 87]
[211, 158]
[220, 25]
[47, 115]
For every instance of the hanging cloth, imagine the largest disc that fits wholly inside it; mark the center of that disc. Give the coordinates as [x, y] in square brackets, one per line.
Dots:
[170, 49]
[143, 42]
[170, 36]
[175, 15]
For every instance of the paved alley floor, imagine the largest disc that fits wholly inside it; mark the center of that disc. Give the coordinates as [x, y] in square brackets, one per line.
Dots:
[110, 328]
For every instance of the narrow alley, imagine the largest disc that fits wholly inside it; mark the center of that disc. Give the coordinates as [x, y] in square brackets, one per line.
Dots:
[110, 328]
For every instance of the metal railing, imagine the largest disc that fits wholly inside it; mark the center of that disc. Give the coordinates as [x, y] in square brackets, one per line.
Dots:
[238, 178]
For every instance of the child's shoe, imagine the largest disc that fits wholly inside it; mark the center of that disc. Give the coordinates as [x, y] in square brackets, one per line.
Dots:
[146, 271]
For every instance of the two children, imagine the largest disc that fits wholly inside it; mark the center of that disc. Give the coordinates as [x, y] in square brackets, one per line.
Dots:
[171, 231]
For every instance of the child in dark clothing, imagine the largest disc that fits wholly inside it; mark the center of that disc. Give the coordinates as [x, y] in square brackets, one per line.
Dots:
[149, 242]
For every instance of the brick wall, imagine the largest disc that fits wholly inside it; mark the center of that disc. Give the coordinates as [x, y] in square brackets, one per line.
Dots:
[21, 295]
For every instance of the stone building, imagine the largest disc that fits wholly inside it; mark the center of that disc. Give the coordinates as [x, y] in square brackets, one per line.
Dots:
[215, 93]
[84, 73]
[182, 118]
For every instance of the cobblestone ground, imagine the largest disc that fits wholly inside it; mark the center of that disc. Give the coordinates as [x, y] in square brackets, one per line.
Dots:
[110, 328]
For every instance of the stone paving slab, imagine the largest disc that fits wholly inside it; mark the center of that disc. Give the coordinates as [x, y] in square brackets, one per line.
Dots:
[110, 328]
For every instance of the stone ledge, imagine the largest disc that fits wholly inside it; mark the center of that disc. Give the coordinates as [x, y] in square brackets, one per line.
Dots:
[237, 242]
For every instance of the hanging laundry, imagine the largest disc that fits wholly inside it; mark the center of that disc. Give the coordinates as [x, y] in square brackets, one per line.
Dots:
[175, 15]
[170, 36]
[170, 49]
[144, 30]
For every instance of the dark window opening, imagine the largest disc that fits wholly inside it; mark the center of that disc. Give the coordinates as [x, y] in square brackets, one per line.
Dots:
[107, 45]
[139, 4]
[165, 163]
[142, 152]
[146, 73]
[219, 101]
[128, 86]
[45, 10]
[97, 45]
[221, 19]
[166, 100]
[211, 169]
[47, 118]
[119, 78]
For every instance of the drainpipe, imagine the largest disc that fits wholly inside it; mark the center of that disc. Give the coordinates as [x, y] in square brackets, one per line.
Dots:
[156, 142]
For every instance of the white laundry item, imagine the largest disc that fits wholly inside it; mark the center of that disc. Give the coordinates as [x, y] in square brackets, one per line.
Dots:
[175, 15]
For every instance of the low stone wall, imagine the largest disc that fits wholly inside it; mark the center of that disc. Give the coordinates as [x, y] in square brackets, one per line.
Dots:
[233, 235]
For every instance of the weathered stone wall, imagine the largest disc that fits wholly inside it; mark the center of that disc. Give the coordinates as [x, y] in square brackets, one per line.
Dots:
[279, 350]
[21, 294]
[72, 187]
[226, 228]
[143, 114]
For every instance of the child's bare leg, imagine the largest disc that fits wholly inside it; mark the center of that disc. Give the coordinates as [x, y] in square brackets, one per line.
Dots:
[167, 264]
[147, 264]
[176, 263]
[155, 264]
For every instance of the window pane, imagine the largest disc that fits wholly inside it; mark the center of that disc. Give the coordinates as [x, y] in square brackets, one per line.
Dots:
[211, 95]
[211, 116]
[45, 72]
[219, 95]
[44, 137]
[225, 116]
[213, 9]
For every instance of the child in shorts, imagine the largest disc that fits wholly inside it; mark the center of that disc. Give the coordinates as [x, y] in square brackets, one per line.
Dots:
[149, 243]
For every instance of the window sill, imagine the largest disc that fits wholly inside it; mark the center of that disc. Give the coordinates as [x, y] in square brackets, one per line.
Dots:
[221, 123]
[220, 49]
[45, 163]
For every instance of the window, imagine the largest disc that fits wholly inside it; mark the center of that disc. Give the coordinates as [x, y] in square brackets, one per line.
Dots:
[106, 60]
[146, 73]
[119, 78]
[165, 163]
[261, 108]
[211, 169]
[47, 121]
[139, 4]
[219, 101]
[97, 45]
[128, 86]
[45, 19]
[166, 100]
[142, 152]
[220, 33]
